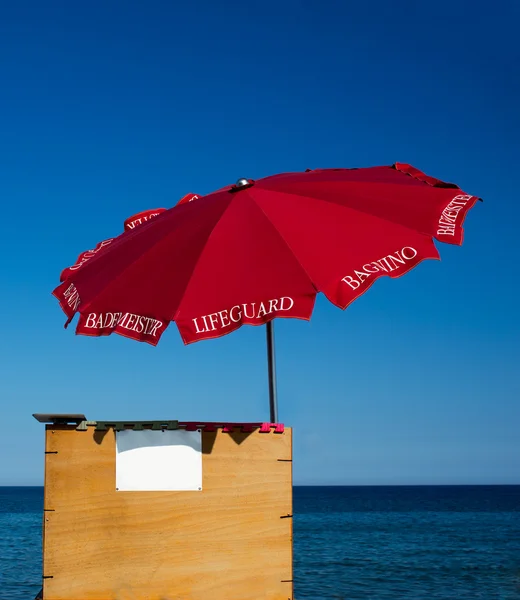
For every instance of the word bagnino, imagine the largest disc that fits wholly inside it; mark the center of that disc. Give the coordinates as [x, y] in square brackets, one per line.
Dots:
[387, 264]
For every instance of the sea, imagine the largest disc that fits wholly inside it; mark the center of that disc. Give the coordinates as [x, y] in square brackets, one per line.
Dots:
[370, 543]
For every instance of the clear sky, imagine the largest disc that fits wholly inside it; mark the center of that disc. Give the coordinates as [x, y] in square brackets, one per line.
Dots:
[108, 108]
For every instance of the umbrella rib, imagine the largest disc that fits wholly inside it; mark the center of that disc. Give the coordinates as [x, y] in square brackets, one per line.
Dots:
[280, 235]
[198, 258]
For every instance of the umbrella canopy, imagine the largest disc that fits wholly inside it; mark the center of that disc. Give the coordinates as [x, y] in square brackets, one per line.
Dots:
[129, 224]
[258, 250]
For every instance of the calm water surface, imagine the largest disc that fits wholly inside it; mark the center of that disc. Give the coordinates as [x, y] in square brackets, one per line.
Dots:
[377, 543]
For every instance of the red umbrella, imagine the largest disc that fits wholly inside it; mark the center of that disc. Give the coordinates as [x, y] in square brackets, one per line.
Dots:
[262, 249]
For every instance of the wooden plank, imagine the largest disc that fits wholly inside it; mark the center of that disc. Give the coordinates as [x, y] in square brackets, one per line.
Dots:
[61, 418]
[228, 542]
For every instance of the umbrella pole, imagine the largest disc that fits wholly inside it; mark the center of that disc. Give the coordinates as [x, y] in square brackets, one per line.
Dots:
[271, 366]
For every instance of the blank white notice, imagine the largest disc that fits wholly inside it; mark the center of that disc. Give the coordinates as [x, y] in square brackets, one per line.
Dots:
[150, 461]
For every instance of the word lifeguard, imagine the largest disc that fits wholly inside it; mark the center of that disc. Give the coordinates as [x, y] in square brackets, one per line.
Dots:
[254, 311]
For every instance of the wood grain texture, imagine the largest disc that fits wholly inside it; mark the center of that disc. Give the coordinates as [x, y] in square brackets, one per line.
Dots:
[228, 542]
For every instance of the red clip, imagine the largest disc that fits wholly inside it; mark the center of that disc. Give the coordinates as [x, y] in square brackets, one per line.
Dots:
[248, 428]
[266, 427]
[210, 427]
[228, 428]
[191, 426]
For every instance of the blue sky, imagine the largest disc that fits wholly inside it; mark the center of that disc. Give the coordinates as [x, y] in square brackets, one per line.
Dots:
[108, 108]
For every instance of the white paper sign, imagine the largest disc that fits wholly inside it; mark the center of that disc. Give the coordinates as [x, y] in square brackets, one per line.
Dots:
[158, 460]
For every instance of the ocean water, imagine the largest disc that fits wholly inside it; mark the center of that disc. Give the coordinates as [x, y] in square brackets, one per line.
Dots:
[371, 543]
[407, 543]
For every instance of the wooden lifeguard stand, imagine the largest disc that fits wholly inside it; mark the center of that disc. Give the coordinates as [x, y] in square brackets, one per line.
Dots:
[226, 536]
